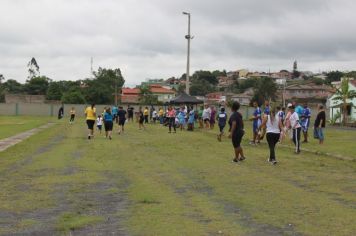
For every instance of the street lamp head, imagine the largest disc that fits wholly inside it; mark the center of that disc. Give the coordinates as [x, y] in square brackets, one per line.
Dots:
[186, 13]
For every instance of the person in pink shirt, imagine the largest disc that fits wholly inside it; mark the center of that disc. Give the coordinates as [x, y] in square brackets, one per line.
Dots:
[171, 114]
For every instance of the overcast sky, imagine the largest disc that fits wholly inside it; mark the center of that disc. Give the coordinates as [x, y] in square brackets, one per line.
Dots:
[145, 38]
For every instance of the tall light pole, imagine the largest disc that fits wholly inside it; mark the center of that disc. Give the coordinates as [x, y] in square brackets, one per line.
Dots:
[188, 37]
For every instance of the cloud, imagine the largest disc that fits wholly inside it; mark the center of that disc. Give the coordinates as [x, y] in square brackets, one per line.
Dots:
[146, 38]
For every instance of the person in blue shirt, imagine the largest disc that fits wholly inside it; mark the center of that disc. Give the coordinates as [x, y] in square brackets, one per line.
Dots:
[266, 112]
[191, 119]
[114, 111]
[298, 109]
[305, 120]
[256, 123]
[222, 119]
[108, 122]
[181, 118]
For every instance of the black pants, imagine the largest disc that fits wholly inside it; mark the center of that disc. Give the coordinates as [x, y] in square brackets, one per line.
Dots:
[71, 118]
[272, 139]
[146, 119]
[172, 123]
[296, 138]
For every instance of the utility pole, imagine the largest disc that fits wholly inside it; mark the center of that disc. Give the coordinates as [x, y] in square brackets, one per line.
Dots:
[188, 37]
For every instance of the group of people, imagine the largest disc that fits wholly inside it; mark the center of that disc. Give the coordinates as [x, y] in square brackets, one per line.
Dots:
[107, 118]
[274, 123]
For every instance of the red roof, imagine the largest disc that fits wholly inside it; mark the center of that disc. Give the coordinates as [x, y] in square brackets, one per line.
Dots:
[130, 91]
[159, 89]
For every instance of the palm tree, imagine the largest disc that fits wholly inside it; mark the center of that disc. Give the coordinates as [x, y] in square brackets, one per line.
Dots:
[344, 94]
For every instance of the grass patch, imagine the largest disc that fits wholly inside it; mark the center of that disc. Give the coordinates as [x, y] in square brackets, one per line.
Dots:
[11, 125]
[70, 221]
[179, 184]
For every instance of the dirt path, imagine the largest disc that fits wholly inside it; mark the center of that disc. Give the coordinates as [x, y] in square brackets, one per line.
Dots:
[13, 140]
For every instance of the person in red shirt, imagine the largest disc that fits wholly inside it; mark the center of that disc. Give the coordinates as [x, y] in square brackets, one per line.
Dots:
[171, 114]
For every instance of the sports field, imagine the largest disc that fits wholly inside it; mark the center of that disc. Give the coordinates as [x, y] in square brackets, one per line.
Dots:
[154, 183]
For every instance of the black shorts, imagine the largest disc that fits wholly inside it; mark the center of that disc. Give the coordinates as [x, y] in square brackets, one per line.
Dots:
[141, 120]
[207, 120]
[221, 127]
[108, 125]
[236, 138]
[122, 122]
[99, 127]
[90, 124]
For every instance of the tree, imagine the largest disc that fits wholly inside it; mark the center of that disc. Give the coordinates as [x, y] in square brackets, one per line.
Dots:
[333, 76]
[317, 81]
[12, 86]
[54, 91]
[73, 97]
[102, 88]
[146, 97]
[2, 90]
[265, 89]
[249, 83]
[33, 68]
[203, 82]
[37, 85]
[344, 94]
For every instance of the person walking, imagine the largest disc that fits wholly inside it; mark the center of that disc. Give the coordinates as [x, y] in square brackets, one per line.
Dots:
[61, 112]
[191, 119]
[256, 123]
[99, 123]
[161, 115]
[72, 115]
[296, 128]
[212, 117]
[108, 122]
[273, 124]
[145, 114]
[130, 113]
[90, 114]
[319, 124]
[181, 118]
[121, 114]
[141, 119]
[171, 115]
[200, 117]
[305, 121]
[236, 132]
[222, 119]
[114, 111]
[206, 116]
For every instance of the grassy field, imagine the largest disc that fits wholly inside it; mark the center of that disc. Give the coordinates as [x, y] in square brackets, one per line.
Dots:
[11, 125]
[154, 183]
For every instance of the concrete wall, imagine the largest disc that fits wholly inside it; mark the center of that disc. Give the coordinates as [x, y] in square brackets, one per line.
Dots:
[52, 109]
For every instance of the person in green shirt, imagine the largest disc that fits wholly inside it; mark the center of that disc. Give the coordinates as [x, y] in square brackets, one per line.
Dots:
[200, 117]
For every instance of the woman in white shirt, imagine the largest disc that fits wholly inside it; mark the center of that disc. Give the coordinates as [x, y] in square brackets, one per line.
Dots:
[296, 128]
[273, 124]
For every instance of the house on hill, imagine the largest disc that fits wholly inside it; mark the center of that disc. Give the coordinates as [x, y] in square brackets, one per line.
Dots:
[335, 106]
[310, 93]
[132, 95]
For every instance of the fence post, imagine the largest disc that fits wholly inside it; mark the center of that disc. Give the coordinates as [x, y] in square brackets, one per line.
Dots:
[16, 109]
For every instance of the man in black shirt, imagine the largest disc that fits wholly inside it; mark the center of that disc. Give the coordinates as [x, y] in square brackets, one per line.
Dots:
[122, 119]
[319, 124]
[236, 132]
[130, 113]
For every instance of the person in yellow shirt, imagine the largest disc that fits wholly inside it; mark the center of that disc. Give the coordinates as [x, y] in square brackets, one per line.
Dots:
[90, 114]
[145, 114]
[160, 114]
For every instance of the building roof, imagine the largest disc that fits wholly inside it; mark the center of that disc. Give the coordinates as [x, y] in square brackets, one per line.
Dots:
[130, 91]
[154, 88]
[184, 98]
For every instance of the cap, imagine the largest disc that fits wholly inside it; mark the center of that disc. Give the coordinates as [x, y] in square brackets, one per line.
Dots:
[289, 105]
